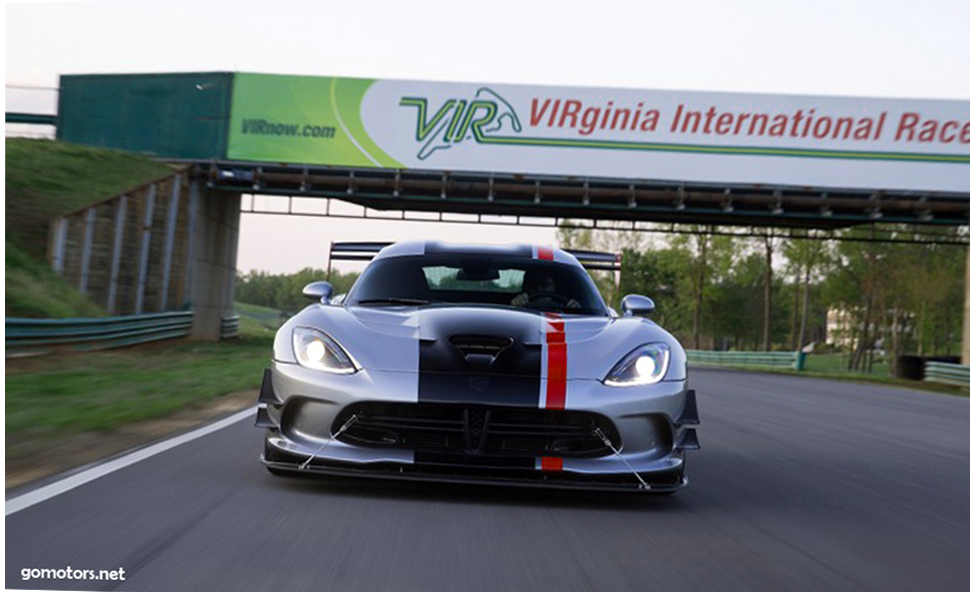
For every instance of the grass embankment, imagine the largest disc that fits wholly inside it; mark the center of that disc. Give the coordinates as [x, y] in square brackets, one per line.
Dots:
[59, 402]
[100, 391]
[45, 179]
[258, 320]
[33, 290]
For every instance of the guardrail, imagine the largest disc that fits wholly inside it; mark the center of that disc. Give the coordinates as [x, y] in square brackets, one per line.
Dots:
[953, 374]
[26, 337]
[229, 328]
[793, 360]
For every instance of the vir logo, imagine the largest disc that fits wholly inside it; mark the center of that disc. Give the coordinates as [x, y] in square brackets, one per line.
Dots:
[458, 120]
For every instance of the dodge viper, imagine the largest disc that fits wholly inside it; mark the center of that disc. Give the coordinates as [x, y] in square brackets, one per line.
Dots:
[488, 364]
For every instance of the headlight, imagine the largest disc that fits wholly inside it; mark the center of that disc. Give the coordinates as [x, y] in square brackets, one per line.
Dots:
[646, 364]
[317, 350]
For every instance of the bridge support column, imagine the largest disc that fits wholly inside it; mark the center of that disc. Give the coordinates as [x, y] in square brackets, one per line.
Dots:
[214, 227]
[965, 344]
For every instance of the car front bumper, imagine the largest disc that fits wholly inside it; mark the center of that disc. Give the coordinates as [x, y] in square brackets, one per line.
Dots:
[305, 410]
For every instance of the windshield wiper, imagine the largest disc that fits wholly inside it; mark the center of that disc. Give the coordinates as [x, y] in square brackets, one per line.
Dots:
[392, 301]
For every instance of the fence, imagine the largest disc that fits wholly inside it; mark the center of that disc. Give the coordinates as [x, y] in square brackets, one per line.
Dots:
[953, 374]
[793, 360]
[41, 336]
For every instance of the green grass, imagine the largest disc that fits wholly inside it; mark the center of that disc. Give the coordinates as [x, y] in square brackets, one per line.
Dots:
[33, 290]
[53, 397]
[98, 391]
[837, 364]
[45, 179]
[255, 310]
[258, 320]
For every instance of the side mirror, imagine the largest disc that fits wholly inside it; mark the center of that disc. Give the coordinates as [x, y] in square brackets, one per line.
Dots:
[319, 291]
[634, 305]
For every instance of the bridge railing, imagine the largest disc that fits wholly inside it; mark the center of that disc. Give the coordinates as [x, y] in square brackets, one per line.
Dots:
[792, 360]
[25, 337]
[952, 374]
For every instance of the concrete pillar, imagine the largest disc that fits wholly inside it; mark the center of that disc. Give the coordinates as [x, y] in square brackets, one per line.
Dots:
[965, 348]
[121, 215]
[58, 244]
[213, 260]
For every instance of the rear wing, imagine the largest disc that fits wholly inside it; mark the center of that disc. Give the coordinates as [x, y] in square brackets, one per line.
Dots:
[597, 260]
[365, 251]
[355, 251]
[352, 252]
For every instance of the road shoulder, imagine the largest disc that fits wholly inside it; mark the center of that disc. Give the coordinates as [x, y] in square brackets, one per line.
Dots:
[31, 462]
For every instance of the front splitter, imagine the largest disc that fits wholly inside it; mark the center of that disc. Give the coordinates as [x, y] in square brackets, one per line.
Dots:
[562, 480]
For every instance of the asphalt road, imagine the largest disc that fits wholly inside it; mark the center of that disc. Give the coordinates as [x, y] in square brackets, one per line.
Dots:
[802, 484]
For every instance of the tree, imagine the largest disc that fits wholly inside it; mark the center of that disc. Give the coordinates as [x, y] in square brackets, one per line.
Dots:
[735, 303]
[860, 284]
[707, 258]
[285, 291]
[769, 243]
[657, 273]
[606, 239]
[806, 257]
[723, 292]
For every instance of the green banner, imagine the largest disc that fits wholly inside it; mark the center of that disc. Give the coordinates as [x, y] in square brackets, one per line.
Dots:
[302, 119]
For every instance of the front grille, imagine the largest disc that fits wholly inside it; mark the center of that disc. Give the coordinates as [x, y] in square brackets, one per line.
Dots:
[485, 430]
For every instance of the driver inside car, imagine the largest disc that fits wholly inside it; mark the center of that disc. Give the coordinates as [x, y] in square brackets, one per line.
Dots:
[541, 289]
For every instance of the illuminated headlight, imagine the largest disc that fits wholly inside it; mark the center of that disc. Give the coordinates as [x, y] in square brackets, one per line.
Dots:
[317, 350]
[646, 364]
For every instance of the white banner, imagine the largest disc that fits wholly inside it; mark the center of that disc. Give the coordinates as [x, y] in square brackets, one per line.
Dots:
[819, 142]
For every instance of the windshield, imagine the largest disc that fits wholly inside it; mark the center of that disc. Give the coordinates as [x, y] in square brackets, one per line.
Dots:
[477, 279]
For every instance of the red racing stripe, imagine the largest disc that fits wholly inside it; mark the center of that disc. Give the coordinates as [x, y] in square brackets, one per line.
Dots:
[556, 355]
[545, 253]
[551, 463]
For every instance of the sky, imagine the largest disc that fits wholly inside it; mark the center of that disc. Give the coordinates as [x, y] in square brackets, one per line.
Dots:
[868, 48]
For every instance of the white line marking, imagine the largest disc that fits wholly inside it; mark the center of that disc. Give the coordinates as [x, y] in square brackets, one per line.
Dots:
[46, 492]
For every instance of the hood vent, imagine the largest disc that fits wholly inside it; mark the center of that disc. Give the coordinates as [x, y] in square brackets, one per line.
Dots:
[480, 345]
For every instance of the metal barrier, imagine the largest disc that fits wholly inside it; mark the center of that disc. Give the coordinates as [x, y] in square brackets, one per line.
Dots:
[954, 374]
[229, 328]
[793, 360]
[25, 337]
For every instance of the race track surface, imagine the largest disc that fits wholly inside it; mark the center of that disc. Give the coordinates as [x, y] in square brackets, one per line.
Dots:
[802, 484]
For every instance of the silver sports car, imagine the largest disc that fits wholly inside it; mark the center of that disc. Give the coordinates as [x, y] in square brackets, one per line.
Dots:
[482, 364]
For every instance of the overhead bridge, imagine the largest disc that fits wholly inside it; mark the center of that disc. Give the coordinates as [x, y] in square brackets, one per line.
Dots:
[643, 160]
[585, 198]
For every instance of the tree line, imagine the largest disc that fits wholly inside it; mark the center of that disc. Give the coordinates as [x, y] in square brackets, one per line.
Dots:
[285, 291]
[756, 294]
[774, 293]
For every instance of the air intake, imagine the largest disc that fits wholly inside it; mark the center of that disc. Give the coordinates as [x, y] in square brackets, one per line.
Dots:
[480, 345]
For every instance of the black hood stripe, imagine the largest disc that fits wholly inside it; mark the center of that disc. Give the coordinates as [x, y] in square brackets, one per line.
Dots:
[452, 370]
